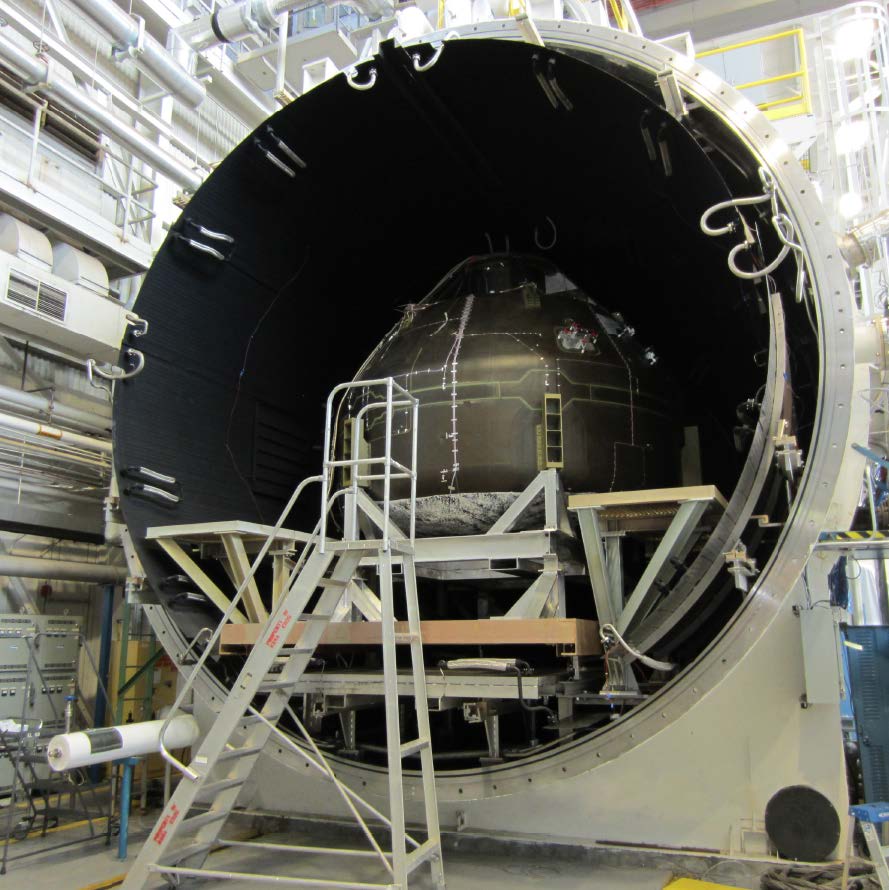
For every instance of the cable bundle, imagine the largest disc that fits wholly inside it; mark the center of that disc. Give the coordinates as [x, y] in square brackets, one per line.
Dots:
[820, 877]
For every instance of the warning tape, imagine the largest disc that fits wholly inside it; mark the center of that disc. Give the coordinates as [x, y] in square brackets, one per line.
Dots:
[854, 536]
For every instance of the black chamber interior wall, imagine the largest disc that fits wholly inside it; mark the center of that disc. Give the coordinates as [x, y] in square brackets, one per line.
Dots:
[402, 182]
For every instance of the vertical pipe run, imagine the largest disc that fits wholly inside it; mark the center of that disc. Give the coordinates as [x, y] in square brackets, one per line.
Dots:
[280, 73]
[39, 111]
[101, 707]
[126, 793]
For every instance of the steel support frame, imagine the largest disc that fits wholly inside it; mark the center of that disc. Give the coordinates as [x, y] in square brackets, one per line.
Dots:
[675, 544]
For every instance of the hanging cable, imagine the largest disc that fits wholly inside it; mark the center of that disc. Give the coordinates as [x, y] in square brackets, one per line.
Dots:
[781, 223]
[610, 637]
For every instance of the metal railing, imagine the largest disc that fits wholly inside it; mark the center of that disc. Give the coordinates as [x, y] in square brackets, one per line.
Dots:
[356, 463]
[317, 537]
[131, 214]
[775, 107]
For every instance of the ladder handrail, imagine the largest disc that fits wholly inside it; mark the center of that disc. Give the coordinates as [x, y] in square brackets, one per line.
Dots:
[405, 399]
[198, 667]
[311, 541]
[319, 534]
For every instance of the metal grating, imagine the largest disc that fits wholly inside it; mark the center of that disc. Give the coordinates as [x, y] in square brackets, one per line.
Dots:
[868, 658]
[36, 296]
[23, 290]
[52, 302]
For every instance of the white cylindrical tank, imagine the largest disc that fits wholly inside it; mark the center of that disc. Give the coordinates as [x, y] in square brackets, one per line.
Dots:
[25, 242]
[74, 749]
[80, 268]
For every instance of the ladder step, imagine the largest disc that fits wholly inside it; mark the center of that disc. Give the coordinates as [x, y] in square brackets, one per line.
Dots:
[272, 685]
[234, 753]
[211, 789]
[426, 851]
[207, 818]
[250, 879]
[414, 747]
[171, 857]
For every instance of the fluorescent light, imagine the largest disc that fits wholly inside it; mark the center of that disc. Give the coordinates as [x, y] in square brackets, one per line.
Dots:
[852, 136]
[854, 39]
[850, 205]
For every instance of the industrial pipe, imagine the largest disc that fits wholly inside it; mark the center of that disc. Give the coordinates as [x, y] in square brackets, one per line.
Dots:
[61, 570]
[235, 22]
[33, 428]
[48, 491]
[147, 52]
[251, 17]
[860, 246]
[41, 404]
[37, 73]
[71, 61]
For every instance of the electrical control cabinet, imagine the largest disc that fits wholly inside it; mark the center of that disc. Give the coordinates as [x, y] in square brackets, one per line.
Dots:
[39, 656]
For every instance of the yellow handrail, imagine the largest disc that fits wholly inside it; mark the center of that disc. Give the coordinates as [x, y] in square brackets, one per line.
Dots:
[787, 106]
[619, 15]
[795, 32]
[767, 80]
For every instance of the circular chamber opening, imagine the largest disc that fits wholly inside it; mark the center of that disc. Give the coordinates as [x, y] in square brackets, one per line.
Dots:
[514, 236]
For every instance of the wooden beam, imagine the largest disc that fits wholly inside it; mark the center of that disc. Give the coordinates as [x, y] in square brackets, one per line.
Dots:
[576, 635]
[240, 569]
[200, 578]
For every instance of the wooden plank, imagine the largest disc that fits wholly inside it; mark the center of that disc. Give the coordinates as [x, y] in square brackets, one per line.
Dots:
[649, 496]
[201, 579]
[579, 635]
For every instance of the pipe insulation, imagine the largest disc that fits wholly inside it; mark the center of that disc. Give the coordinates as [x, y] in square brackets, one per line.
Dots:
[75, 749]
[250, 18]
[237, 21]
[39, 403]
[43, 430]
[145, 50]
[59, 52]
[61, 570]
[38, 73]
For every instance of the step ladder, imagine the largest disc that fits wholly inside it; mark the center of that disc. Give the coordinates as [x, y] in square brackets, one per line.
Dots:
[191, 824]
[869, 816]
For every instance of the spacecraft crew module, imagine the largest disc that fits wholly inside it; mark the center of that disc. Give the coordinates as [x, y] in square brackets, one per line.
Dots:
[645, 297]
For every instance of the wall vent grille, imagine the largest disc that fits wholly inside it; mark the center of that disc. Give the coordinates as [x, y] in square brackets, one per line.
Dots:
[37, 296]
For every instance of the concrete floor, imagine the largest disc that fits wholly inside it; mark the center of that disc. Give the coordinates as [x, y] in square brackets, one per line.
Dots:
[91, 866]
